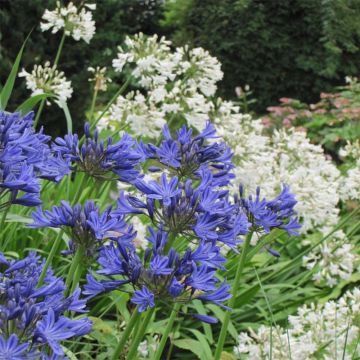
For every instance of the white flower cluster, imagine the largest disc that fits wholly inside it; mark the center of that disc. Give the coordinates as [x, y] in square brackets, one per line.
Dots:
[317, 332]
[350, 184]
[176, 84]
[76, 22]
[140, 113]
[332, 261]
[48, 79]
[287, 157]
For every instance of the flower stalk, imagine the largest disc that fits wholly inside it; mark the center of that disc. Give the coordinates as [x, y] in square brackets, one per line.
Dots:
[56, 61]
[140, 334]
[235, 288]
[167, 331]
[125, 336]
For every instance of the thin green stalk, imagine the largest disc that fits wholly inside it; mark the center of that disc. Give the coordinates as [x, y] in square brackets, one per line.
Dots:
[166, 332]
[129, 327]
[140, 334]
[93, 102]
[77, 276]
[53, 251]
[81, 187]
[41, 107]
[2, 225]
[112, 100]
[59, 50]
[56, 61]
[235, 287]
[70, 279]
[3, 217]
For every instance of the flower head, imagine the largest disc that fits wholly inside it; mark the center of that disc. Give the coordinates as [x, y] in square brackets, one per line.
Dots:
[267, 215]
[87, 227]
[32, 317]
[48, 79]
[76, 22]
[164, 274]
[99, 159]
[99, 78]
[25, 157]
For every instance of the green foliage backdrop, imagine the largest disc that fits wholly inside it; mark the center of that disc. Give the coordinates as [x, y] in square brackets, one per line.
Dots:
[293, 48]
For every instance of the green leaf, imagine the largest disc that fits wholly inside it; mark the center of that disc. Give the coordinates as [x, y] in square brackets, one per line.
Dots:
[30, 103]
[9, 85]
[193, 346]
[204, 343]
[200, 308]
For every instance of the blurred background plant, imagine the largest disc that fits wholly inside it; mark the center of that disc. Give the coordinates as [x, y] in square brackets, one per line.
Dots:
[331, 122]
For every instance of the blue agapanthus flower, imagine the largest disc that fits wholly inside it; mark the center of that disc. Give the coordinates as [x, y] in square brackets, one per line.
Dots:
[163, 274]
[32, 320]
[99, 159]
[25, 157]
[193, 208]
[186, 155]
[266, 215]
[86, 226]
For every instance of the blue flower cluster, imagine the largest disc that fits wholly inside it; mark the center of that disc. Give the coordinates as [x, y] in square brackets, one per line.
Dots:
[24, 158]
[192, 216]
[163, 273]
[266, 215]
[86, 226]
[32, 321]
[193, 202]
[99, 159]
[187, 155]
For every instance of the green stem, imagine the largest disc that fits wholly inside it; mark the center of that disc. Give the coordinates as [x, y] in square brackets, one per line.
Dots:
[129, 327]
[93, 102]
[56, 61]
[41, 107]
[235, 287]
[2, 225]
[166, 332]
[82, 186]
[140, 334]
[3, 217]
[77, 276]
[71, 276]
[61, 45]
[49, 259]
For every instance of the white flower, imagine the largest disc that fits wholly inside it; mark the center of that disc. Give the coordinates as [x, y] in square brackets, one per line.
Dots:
[99, 78]
[317, 332]
[334, 260]
[77, 23]
[143, 350]
[143, 117]
[140, 228]
[154, 64]
[350, 184]
[47, 79]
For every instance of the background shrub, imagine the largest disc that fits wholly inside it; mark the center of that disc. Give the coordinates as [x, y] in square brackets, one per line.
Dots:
[294, 48]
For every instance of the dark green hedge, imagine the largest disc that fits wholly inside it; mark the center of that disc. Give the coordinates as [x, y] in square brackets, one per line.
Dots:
[293, 48]
[114, 19]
